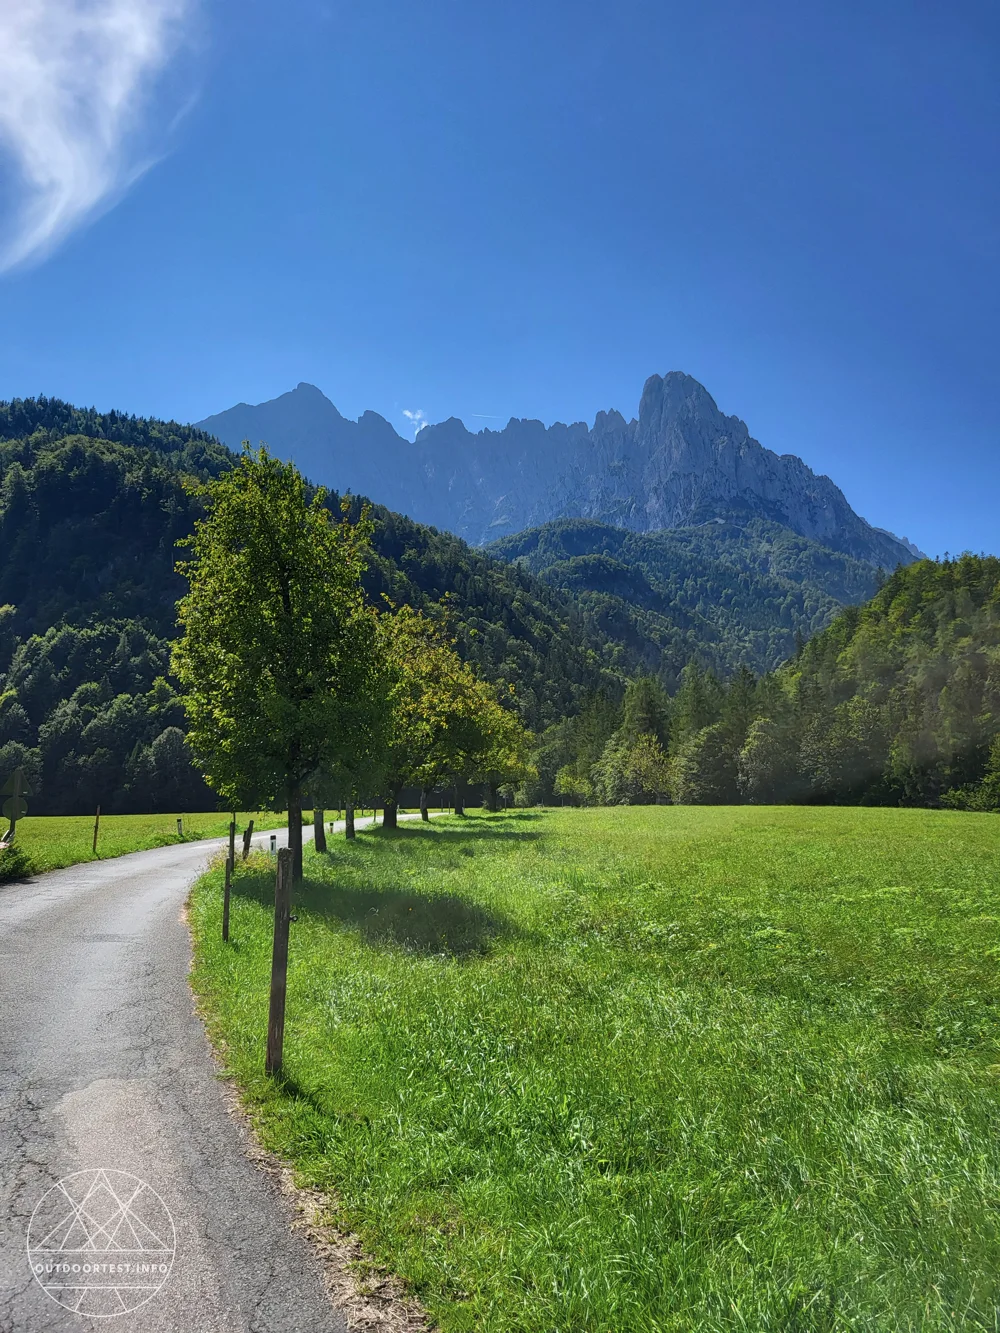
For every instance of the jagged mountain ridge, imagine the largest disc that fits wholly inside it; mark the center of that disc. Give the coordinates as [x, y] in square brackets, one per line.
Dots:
[680, 462]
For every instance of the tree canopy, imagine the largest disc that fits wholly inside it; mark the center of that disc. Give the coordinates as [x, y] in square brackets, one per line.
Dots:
[277, 649]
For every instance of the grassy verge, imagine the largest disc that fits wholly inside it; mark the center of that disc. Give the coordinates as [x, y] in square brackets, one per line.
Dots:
[646, 1070]
[50, 842]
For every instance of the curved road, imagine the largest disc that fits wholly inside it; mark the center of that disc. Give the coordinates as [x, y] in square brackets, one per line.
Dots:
[103, 1064]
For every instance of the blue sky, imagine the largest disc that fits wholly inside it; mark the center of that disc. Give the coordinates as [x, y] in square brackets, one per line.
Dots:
[525, 209]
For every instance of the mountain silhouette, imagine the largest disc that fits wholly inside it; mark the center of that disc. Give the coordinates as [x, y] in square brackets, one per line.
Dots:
[678, 463]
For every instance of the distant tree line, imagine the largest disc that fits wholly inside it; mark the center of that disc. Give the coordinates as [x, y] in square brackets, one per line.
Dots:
[896, 703]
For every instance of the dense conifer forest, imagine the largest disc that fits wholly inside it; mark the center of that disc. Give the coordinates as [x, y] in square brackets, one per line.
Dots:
[897, 702]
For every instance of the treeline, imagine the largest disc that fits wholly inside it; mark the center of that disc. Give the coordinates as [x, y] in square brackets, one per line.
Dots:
[896, 703]
[28, 423]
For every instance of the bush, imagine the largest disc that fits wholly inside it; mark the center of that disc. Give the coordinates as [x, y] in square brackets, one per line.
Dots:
[631, 771]
[15, 863]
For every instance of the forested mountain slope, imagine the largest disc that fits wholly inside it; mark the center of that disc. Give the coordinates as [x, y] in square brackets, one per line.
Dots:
[897, 702]
[727, 594]
[90, 521]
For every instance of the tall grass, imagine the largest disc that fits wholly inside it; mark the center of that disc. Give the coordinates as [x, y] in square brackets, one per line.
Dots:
[645, 1070]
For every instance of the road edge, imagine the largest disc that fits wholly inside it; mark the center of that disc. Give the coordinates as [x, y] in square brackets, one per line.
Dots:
[370, 1298]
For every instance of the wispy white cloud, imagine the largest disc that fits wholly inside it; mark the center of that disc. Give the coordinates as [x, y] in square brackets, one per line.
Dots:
[417, 420]
[74, 81]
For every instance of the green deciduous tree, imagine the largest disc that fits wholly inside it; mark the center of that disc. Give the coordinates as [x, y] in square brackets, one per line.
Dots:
[579, 790]
[631, 771]
[445, 723]
[278, 653]
[504, 755]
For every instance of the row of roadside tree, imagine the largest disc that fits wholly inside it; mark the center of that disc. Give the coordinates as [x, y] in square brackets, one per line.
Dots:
[296, 690]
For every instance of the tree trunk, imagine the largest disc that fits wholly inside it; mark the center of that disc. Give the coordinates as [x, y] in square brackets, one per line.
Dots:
[460, 796]
[390, 810]
[491, 797]
[295, 832]
[423, 804]
[349, 820]
[319, 834]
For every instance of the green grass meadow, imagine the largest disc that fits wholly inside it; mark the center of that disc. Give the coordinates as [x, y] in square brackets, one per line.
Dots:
[50, 842]
[648, 1069]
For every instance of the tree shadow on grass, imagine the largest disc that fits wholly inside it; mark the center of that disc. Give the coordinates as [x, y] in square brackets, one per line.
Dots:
[402, 918]
[290, 1087]
[496, 829]
[420, 923]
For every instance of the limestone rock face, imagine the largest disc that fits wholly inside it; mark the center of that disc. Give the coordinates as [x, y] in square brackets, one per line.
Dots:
[680, 462]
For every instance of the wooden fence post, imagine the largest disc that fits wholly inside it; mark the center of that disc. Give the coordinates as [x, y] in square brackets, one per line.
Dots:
[232, 839]
[279, 962]
[97, 826]
[247, 835]
[225, 898]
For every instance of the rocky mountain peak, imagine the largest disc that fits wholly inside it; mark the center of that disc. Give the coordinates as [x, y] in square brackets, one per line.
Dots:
[680, 462]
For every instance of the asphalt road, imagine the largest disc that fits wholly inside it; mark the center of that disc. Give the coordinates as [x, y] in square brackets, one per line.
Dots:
[103, 1064]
